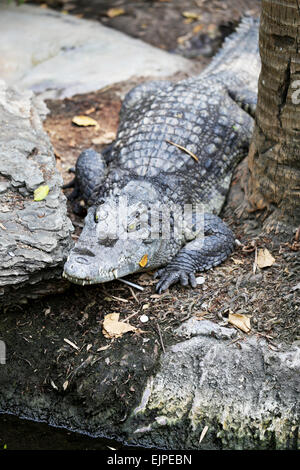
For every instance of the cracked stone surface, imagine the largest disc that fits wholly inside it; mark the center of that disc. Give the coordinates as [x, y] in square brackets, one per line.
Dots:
[246, 396]
[60, 55]
[34, 236]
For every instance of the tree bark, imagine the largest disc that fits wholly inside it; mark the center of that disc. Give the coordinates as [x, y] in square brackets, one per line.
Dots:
[274, 156]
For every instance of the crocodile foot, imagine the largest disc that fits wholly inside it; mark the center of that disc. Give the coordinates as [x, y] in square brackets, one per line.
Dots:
[169, 277]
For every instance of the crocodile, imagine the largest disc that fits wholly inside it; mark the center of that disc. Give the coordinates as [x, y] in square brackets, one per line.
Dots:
[154, 196]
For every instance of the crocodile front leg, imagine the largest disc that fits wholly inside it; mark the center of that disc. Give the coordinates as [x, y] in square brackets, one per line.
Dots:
[198, 255]
[90, 172]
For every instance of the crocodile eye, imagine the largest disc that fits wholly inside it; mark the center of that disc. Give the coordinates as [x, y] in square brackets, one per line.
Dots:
[100, 215]
[131, 227]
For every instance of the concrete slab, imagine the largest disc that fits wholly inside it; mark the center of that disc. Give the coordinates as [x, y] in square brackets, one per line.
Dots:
[62, 55]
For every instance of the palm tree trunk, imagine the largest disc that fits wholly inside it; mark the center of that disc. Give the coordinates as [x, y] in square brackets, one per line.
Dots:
[274, 156]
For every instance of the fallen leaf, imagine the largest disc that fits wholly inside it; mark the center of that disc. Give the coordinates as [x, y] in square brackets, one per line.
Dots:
[65, 385]
[2, 226]
[240, 321]
[197, 28]
[113, 12]
[189, 20]
[191, 15]
[104, 139]
[143, 261]
[113, 328]
[211, 29]
[84, 121]
[41, 192]
[237, 261]
[264, 258]
[182, 39]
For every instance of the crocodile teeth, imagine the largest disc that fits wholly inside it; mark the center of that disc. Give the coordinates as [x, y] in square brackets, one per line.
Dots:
[115, 273]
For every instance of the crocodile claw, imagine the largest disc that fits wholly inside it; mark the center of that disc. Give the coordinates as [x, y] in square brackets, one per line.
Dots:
[169, 277]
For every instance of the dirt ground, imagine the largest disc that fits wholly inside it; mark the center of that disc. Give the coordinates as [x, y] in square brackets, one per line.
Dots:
[193, 28]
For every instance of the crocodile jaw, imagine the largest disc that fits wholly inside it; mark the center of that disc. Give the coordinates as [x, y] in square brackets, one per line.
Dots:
[87, 272]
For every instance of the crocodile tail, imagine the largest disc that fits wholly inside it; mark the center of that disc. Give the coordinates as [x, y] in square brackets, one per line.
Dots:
[240, 52]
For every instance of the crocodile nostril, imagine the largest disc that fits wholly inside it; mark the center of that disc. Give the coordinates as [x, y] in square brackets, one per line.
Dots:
[82, 260]
[83, 251]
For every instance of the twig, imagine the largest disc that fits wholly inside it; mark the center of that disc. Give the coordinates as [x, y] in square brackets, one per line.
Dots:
[133, 295]
[191, 154]
[131, 284]
[130, 316]
[160, 337]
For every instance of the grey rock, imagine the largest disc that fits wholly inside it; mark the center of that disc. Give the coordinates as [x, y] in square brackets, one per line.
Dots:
[194, 327]
[247, 396]
[34, 236]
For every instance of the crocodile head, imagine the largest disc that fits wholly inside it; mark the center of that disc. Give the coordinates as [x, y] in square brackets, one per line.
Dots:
[119, 238]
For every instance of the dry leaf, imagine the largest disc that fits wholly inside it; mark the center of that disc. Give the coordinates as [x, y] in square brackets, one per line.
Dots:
[113, 328]
[84, 121]
[197, 28]
[189, 20]
[104, 139]
[143, 261]
[65, 385]
[41, 192]
[264, 258]
[113, 12]
[191, 15]
[237, 261]
[240, 321]
[182, 39]
[2, 226]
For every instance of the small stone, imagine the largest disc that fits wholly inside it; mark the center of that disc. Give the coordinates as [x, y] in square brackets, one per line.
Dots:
[144, 318]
